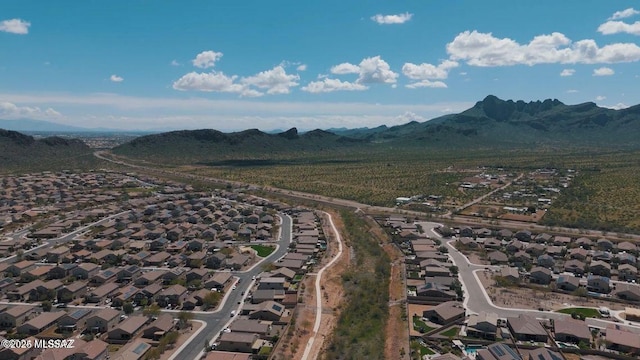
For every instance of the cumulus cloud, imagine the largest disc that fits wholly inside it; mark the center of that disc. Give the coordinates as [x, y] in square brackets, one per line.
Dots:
[615, 27]
[276, 80]
[116, 78]
[175, 63]
[15, 26]
[375, 70]
[600, 98]
[345, 68]
[209, 82]
[624, 14]
[484, 49]
[206, 59]
[330, 85]
[370, 70]
[12, 111]
[603, 71]
[302, 67]
[392, 19]
[425, 73]
[567, 72]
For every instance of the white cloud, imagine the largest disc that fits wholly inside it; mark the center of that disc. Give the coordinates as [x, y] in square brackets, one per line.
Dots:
[572, 91]
[615, 27]
[116, 78]
[210, 82]
[483, 49]
[12, 111]
[600, 98]
[618, 106]
[206, 59]
[392, 19]
[603, 71]
[345, 68]
[276, 80]
[302, 67]
[424, 73]
[375, 70]
[175, 63]
[567, 72]
[370, 70]
[624, 14]
[330, 85]
[15, 26]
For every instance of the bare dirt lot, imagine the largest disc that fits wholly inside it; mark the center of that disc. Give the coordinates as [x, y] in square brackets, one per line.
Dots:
[526, 298]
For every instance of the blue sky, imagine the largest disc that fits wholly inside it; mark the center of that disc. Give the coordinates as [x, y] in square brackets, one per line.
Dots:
[232, 65]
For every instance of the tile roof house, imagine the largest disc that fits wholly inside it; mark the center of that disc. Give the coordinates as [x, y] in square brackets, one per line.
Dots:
[127, 329]
[630, 292]
[623, 341]
[40, 323]
[445, 313]
[572, 331]
[599, 284]
[540, 275]
[483, 325]
[567, 282]
[103, 320]
[526, 328]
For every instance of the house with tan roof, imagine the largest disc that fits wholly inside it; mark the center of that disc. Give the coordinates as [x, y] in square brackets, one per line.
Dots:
[40, 323]
[572, 331]
[127, 329]
[15, 316]
[103, 320]
[445, 313]
[527, 328]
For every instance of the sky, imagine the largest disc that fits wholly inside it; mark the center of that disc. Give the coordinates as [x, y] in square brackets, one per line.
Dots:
[234, 65]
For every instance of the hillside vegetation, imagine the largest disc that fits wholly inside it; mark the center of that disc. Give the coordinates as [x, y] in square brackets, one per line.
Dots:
[19, 152]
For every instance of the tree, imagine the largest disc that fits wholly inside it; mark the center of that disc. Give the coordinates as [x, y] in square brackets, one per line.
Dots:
[46, 305]
[211, 300]
[151, 310]
[453, 269]
[184, 317]
[127, 308]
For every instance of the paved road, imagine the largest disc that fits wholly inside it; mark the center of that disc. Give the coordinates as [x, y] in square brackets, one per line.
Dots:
[217, 320]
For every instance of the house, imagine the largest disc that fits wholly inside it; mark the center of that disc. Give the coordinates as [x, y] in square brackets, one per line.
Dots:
[510, 274]
[60, 271]
[103, 320]
[18, 268]
[600, 268]
[73, 320]
[239, 342]
[523, 235]
[218, 280]
[567, 282]
[578, 253]
[543, 238]
[125, 294]
[599, 284]
[626, 258]
[251, 326]
[602, 256]
[436, 291]
[483, 325]
[215, 261]
[159, 327]
[103, 276]
[497, 257]
[15, 316]
[127, 329]
[498, 351]
[101, 293]
[572, 331]
[604, 244]
[260, 296]
[546, 261]
[561, 241]
[623, 341]
[272, 283]
[521, 259]
[445, 313]
[93, 350]
[56, 254]
[75, 290]
[584, 243]
[535, 249]
[269, 311]
[628, 247]
[149, 277]
[575, 267]
[173, 295]
[526, 328]
[85, 271]
[540, 275]
[627, 272]
[40, 323]
[136, 350]
[630, 292]
[543, 354]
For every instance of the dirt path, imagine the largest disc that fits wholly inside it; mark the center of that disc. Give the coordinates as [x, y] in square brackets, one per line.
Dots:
[295, 341]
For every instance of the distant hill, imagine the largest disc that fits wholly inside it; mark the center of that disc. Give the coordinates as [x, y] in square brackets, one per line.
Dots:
[22, 152]
[23, 125]
[206, 144]
[496, 122]
[490, 123]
